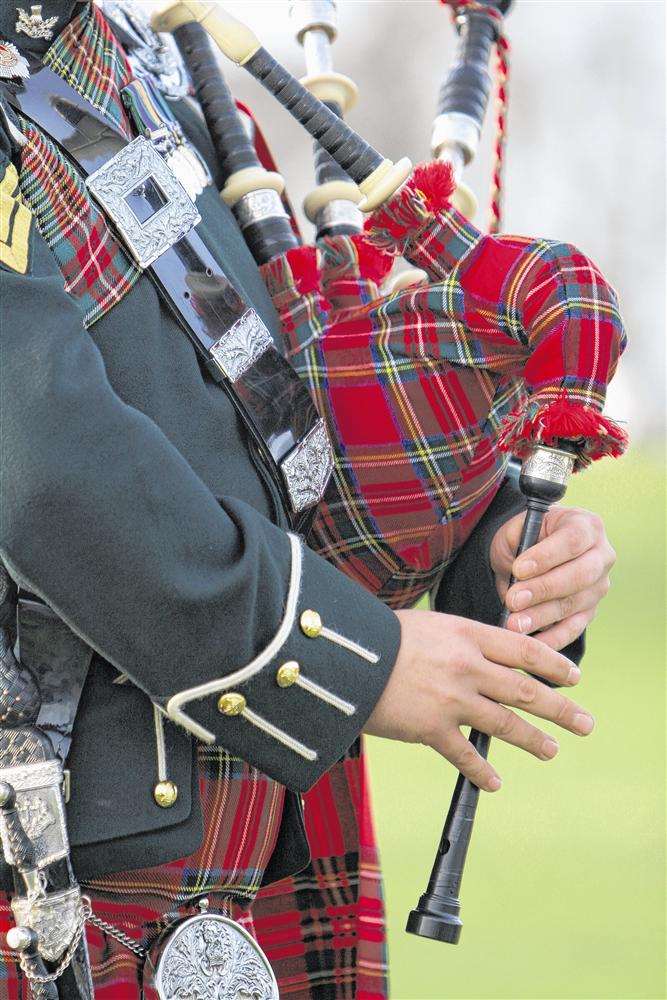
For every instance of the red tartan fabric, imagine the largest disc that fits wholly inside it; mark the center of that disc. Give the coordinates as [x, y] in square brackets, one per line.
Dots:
[242, 809]
[323, 930]
[425, 390]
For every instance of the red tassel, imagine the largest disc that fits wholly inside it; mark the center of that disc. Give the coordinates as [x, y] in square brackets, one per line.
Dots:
[427, 192]
[305, 271]
[435, 181]
[595, 434]
[374, 263]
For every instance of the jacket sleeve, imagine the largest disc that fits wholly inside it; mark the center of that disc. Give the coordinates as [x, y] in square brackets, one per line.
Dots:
[468, 588]
[226, 622]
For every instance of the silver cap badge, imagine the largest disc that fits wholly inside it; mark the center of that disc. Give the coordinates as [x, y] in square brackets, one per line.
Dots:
[12, 62]
[33, 24]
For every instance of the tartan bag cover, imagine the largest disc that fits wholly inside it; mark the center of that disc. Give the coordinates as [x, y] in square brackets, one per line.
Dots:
[425, 391]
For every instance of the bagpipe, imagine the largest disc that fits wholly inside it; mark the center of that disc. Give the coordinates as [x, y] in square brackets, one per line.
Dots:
[495, 345]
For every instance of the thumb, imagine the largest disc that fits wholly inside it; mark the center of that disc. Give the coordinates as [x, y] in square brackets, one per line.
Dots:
[504, 545]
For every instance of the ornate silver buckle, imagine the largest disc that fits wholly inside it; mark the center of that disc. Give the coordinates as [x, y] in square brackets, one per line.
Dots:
[213, 958]
[238, 349]
[138, 179]
[307, 468]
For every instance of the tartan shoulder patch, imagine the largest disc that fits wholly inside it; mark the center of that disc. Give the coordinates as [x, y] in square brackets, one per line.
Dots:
[16, 223]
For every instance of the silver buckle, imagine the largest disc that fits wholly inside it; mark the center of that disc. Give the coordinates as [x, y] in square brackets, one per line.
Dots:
[131, 171]
[239, 348]
[308, 467]
[212, 957]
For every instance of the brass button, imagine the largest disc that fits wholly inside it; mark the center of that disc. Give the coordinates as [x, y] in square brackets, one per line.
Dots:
[165, 794]
[311, 624]
[288, 674]
[231, 703]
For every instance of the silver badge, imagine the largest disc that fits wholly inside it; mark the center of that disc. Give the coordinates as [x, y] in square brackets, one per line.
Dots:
[33, 24]
[239, 348]
[12, 62]
[213, 958]
[307, 469]
[150, 53]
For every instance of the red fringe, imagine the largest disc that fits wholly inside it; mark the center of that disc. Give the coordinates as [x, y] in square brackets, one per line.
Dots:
[595, 434]
[304, 267]
[427, 192]
[374, 263]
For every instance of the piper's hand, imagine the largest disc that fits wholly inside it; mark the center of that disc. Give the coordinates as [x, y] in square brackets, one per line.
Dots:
[452, 672]
[561, 580]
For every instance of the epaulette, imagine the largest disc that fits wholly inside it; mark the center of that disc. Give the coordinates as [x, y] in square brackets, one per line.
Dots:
[149, 54]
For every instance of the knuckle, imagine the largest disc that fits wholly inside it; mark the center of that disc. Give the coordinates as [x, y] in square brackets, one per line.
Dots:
[596, 522]
[566, 606]
[526, 691]
[577, 539]
[469, 760]
[605, 586]
[505, 723]
[611, 556]
[562, 709]
[530, 652]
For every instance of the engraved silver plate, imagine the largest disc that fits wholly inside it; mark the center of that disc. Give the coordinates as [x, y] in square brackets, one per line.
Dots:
[210, 957]
[54, 919]
[137, 165]
[550, 464]
[39, 803]
[308, 467]
[245, 341]
[258, 205]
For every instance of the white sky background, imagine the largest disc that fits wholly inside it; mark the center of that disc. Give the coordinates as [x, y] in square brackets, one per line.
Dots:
[586, 147]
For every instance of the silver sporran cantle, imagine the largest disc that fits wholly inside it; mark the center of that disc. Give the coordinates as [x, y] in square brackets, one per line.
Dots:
[210, 957]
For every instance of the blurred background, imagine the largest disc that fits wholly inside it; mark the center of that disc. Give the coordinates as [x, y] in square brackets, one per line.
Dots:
[564, 889]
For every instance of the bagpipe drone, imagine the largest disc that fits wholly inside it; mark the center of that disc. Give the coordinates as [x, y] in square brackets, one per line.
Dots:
[500, 345]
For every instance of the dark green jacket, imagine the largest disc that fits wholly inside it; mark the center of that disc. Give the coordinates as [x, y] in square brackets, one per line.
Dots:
[131, 505]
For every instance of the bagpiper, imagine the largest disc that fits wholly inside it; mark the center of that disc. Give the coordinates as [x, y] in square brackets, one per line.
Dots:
[179, 667]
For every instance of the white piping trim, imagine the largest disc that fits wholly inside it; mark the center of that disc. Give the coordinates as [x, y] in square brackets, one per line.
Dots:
[278, 734]
[173, 706]
[160, 744]
[353, 647]
[328, 696]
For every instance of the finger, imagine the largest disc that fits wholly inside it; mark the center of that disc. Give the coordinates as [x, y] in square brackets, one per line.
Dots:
[525, 653]
[540, 616]
[511, 688]
[568, 579]
[501, 722]
[461, 753]
[561, 635]
[573, 535]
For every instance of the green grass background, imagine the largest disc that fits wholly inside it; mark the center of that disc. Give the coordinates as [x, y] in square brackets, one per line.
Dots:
[564, 889]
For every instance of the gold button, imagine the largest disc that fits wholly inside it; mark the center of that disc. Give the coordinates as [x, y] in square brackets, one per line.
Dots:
[165, 793]
[311, 624]
[288, 674]
[231, 704]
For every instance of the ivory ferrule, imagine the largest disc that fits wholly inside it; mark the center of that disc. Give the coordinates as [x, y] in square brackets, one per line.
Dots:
[383, 182]
[233, 37]
[251, 179]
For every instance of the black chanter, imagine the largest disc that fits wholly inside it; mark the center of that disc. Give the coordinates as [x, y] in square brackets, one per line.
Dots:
[543, 480]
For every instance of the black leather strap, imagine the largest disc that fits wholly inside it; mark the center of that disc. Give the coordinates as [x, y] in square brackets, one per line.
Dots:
[270, 397]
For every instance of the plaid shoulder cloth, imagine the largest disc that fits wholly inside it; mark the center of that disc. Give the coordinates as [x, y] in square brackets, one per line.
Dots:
[96, 269]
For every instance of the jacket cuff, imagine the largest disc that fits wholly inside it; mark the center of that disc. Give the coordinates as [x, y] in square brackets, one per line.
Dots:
[297, 706]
